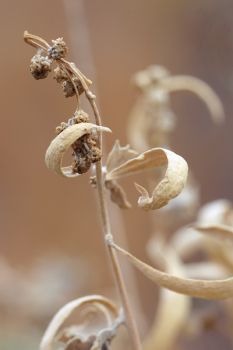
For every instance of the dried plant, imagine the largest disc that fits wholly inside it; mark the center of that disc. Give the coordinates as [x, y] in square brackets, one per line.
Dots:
[84, 138]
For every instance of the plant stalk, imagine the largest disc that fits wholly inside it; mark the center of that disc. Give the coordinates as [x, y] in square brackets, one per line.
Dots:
[131, 324]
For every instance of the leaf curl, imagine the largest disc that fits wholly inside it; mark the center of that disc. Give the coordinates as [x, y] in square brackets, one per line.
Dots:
[169, 187]
[216, 289]
[119, 155]
[57, 148]
[61, 316]
[219, 232]
[198, 87]
[161, 336]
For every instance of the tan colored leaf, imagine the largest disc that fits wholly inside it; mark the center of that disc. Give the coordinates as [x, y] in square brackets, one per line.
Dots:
[219, 244]
[168, 188]
[119, 155]
[220, 232]
[162, 336]
[118, 195]
[216, 289]
[61, 316]
[198, 87]
[56, 150]
[206, 270]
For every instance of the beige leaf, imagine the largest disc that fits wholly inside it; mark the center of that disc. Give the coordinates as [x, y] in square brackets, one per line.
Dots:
[198, 87]
[162, 337]
[60, 317]
[219, 243]
[169, 187]
[118, 195]
[206, 270]
[220, 232]
[216, 289]
[119, 155]
[56, 150]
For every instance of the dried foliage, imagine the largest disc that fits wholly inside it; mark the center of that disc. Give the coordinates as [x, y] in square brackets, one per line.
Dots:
[151, 123]
[152, 119]
[77, 338]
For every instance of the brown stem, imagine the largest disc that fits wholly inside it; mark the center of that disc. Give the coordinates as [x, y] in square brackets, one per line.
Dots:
[131, 324]
[107, 231]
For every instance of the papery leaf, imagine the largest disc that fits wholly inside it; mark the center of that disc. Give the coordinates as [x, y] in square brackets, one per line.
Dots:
[215, 212]
[198, 87]
[169, 187]
[118, 195]
[56, 150]
[119, 155]
[217, 289]
[220, 232]
[162, 337]
[206, 270]
[60, 317]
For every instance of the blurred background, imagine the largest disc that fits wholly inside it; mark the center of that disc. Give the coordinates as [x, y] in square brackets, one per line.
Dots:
[50, 243]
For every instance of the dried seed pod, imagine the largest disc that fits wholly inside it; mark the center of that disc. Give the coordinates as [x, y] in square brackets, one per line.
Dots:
[40, 66]
[81, 166]
[58, 50]
[60, 75]
[64, 141]
[68, 87]
[61, 127]
[95, 154]
[81, 117]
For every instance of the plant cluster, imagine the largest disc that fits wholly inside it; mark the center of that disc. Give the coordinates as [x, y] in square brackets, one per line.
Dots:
[151, 123]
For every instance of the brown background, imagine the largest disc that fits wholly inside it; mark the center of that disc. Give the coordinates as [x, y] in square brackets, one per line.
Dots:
[42, 214]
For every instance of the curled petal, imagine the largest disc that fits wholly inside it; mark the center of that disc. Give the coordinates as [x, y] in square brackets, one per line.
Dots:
[198, 87]
[56, 150]
[216, 289]
[61, 316]
[169, 187]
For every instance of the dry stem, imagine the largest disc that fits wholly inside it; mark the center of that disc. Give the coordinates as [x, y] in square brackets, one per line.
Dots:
[106, 224]
[38, 42]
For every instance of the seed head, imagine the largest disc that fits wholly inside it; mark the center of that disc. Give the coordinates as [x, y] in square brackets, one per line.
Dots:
[58, 50]
[40, 66]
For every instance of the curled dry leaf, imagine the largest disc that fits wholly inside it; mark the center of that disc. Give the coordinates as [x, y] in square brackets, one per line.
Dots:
[198, 87]
[168, 188]
[217, 289]
[104, 304]
[219, 243]
[206, 270]
[118, 195]
[152, 119]
[169, 320]
[61, 143]
[220, 232]
[119, 155]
